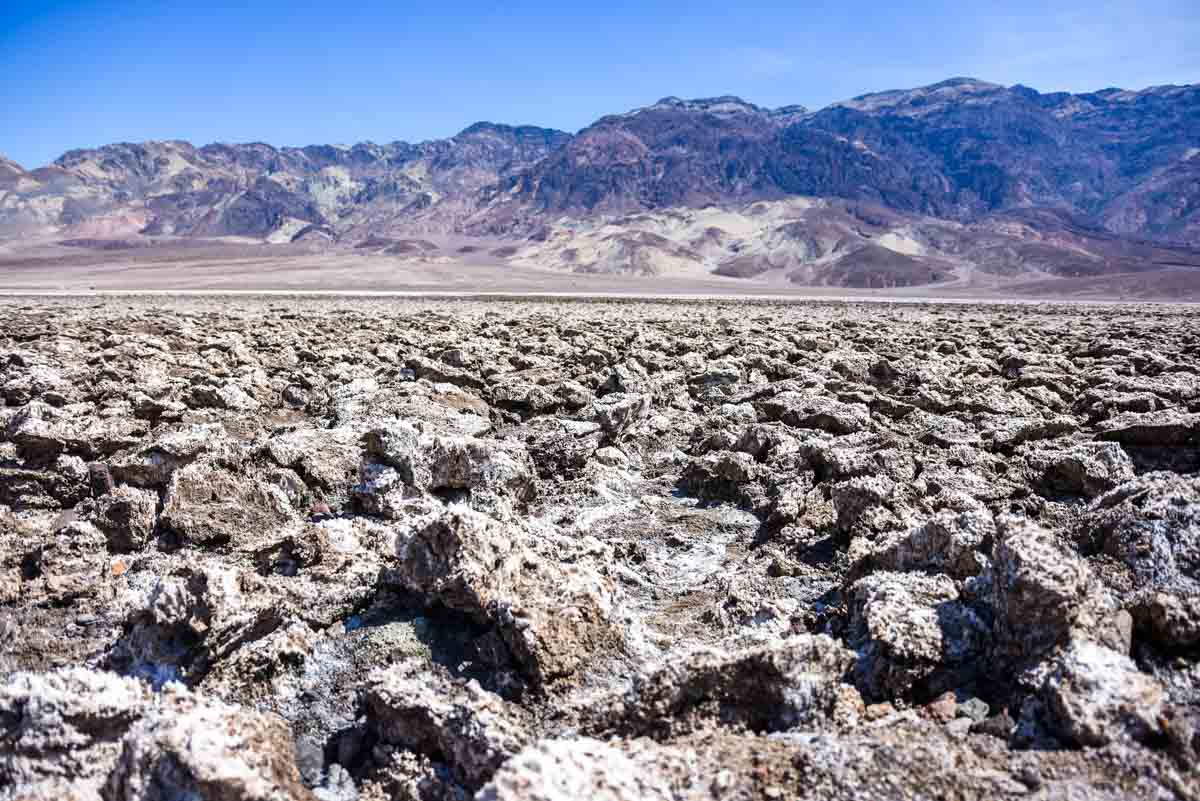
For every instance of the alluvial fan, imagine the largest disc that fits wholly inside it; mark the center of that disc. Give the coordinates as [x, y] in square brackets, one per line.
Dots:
[339, 549]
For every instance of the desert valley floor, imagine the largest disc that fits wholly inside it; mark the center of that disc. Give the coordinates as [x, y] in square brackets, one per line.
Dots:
[236, 268]
[282, 547]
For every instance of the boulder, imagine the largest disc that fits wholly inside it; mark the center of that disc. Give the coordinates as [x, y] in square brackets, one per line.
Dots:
[126, 515]
[492, 473]
[195, 748]
[795, 682]
[327, 460]
[151, 463]
[62, 731]
[1096, 696]
[206, 505]
[190, 622]
[800, 410]
[578, 768]
[552, 617]
[950, 542]
[619, 411]
[70, 564]
[719, 476]
[913, 635]
[1152, 525]
[473, 731]
[82, 734]
[488, 475]
[1087, 469]
[1040, 590]
[1161, 428]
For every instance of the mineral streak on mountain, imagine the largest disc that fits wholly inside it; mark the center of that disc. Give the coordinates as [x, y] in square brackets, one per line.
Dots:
[281, 549]
[958, 178]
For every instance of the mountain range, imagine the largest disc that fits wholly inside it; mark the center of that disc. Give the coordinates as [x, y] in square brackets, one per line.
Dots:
[918, 186]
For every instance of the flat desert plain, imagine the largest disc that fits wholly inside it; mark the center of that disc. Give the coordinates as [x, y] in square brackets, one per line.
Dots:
[210, 266]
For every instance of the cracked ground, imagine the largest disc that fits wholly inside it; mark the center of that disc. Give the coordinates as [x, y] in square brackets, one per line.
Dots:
[283, 548]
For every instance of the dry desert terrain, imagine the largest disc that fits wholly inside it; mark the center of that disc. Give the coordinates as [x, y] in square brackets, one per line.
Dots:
[338, 548]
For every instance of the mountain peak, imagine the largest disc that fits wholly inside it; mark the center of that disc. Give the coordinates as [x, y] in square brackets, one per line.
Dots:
[724, 104]
[483, 126]
[962, 83]
[923, 99]
[502, 129]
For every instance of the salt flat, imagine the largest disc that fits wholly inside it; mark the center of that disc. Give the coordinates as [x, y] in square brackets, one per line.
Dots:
[355, 545]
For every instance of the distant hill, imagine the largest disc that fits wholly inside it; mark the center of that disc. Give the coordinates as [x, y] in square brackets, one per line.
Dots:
[921, 185]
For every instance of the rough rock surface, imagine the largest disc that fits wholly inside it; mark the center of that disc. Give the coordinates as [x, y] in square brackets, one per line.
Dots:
[357, 550]
[83, 734]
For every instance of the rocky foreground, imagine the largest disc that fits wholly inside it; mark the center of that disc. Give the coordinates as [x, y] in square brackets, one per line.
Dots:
[316, 549]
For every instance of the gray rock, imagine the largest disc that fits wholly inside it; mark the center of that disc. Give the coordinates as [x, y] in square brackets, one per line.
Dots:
[151, 463]
[327, 460]
[63, 730]
[617, 412]
[1088, 469]
[796, 682]
[196, 748]
[719, 476]
[950, 542]
[566, 770]
[1152, 428]
[974, 709]
[1096, 696]
[126, 515]
[910, 629]
[209, 505]
[81, 734]
[551, 617]
[1039, 590]
[473, 731]
[815, 411]
[190, 622]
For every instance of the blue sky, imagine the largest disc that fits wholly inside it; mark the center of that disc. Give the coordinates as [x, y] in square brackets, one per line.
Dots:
[81, 74]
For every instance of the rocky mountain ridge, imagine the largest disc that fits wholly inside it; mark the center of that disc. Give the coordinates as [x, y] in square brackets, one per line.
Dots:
[962, 149]
[256, 190]
[1119, 169]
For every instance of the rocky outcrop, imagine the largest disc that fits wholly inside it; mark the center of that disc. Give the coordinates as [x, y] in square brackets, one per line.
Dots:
[1097, 696]
[473, 731]
[1040, 590]
[797, 682]
[462, 549]
[551, 618]
[80, 734]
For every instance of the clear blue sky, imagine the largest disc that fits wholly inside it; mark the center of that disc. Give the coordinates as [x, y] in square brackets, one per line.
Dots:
[80, 74]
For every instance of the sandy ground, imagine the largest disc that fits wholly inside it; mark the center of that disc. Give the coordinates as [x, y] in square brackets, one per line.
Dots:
[225, 269]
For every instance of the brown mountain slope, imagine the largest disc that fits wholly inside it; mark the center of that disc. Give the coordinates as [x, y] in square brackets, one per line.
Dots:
[947, 182]
[962, 150]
